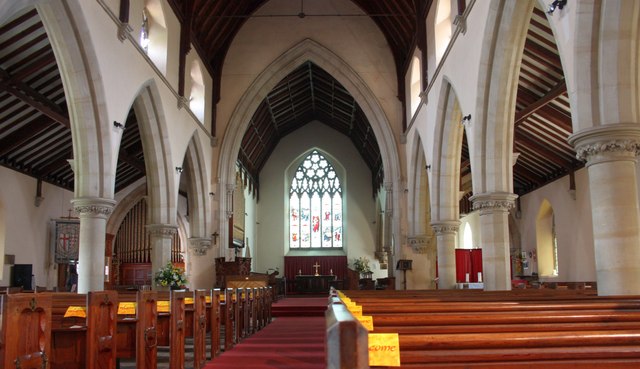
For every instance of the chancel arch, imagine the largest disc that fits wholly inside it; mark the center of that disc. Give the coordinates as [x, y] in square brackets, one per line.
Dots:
[308, 51]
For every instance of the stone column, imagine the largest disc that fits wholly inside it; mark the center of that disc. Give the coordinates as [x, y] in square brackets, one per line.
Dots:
[387, 243]
[494, 235]
[161, 240]
[611, 153]
[199, 245]
[93, 212]
[447, 238]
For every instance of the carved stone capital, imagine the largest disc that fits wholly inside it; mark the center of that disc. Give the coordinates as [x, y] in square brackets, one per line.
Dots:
[199, 246]
[489, 203]
[93, 207]
[420, 243]
[162, 230]
[607, 143]
[445, 227]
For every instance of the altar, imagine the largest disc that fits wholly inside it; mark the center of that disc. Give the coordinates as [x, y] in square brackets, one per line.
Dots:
[314, 283]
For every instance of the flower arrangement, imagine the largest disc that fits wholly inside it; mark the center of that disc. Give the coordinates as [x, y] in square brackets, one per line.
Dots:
[361, 265]
[171, 276]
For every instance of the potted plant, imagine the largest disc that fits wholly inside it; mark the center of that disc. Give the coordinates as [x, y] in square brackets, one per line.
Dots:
[361, 265]
[171, 276]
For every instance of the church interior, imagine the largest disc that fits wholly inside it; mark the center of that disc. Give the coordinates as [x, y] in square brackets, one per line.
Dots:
[400, 159]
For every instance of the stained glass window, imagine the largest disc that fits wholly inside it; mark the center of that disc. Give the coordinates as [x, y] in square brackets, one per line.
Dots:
[315, 205]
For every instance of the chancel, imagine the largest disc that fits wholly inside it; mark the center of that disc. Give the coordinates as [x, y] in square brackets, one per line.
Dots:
[238, 160]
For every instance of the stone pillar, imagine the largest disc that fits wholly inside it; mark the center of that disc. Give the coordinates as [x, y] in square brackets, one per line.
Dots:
[199, 245]
[93, 212]
[494, 235]
[387, 243]
[611, 153]
[447, 238]
[161, 240]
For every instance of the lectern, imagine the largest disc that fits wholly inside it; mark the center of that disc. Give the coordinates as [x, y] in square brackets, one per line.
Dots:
[404, 265]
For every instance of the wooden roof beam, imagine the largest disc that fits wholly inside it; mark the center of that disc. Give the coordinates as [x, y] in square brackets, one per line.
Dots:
[558, 90]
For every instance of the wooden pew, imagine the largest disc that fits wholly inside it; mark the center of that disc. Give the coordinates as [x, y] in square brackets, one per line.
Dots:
[68, 333]
[25, 330]
[147, 330]
[492, 331]
[177, 329]
[199, 328]
[215, 317]
[346, 340]
[101, 329]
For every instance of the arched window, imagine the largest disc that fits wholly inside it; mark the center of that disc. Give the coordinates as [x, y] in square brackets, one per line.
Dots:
[443, 27]
[546, 241]
[416, 86]
[467, 237]
[144, 31]
[315, 205]
[196, 97]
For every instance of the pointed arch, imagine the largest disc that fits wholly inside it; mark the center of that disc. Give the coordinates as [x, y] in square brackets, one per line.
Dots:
[199, 207]
[93, 163]
[308, 50]
[503, 44]
[161, 176]
[445, 170]
[419, 208]
[546, 241]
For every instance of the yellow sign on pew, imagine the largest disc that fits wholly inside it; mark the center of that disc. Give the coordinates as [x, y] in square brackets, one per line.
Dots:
[127, 308]
[355, 310]
[222, 297]
[207, 299]
[384, 349]
[188, 300]
[367, 321]
[77, 311]
[163, 306]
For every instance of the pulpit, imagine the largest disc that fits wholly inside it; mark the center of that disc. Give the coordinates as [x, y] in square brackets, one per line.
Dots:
[237, 267]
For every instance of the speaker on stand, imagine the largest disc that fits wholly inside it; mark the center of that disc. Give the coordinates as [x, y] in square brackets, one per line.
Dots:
[21, 276]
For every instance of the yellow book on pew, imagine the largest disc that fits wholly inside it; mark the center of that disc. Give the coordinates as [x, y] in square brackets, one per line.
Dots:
[384, 349]
[127, 308]
[76, 311]
[188, 300]
[207, 299]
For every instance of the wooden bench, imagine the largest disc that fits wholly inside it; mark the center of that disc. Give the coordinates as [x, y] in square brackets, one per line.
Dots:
[492, 330]
[25, 330]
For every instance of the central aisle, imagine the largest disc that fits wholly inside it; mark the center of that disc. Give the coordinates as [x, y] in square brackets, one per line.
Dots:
[288, 342]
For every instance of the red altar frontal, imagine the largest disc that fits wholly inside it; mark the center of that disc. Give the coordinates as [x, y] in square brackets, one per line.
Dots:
[304, 265]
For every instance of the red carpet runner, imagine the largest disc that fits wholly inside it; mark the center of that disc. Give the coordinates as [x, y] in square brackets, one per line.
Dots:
[287, 343]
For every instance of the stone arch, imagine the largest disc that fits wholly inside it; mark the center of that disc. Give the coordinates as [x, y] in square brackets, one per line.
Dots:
[419, 209]
[607, 87]
[124, 206]
[93, 164]
[161, 176]
[307, 50]
[545, 240]
[445, 169]
[503, 44]
[199, 204]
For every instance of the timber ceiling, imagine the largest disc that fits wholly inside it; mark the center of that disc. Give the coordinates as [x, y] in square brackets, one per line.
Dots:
[35, 138]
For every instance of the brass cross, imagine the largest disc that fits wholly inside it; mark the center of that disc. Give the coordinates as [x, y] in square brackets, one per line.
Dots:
[316, 265]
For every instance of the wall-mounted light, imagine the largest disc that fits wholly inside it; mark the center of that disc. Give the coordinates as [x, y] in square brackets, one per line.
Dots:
[466, 119]
[179, 170]
[212, 194]
[556, 4]
[118, 125]
[428, 167]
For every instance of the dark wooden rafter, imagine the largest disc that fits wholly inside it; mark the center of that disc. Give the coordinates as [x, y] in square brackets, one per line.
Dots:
[558, 90]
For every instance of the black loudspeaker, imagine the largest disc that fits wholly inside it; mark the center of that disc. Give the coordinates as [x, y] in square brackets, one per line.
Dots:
[21, 276]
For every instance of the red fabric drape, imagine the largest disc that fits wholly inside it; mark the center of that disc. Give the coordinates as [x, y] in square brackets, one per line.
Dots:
[476, 264]
[463, 265]
[468, 261]
[294, 265]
